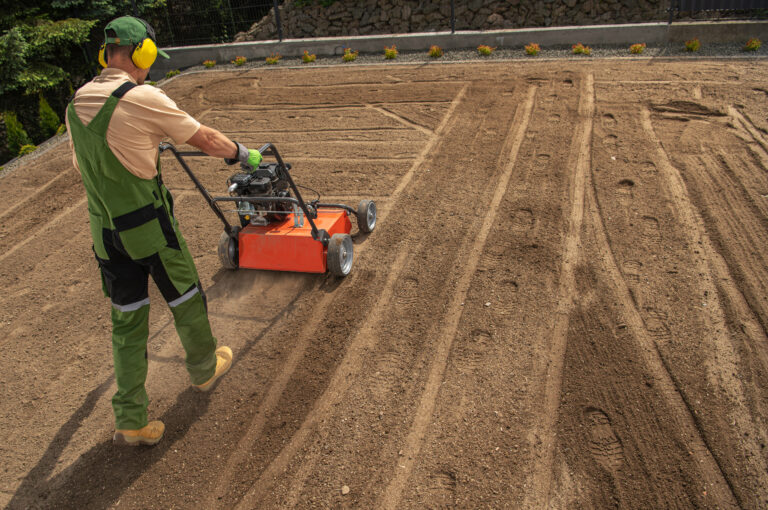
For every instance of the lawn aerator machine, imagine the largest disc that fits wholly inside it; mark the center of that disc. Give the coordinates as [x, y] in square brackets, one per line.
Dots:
[278, 230]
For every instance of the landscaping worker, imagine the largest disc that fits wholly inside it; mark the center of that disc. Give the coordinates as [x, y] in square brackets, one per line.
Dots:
[115, 123]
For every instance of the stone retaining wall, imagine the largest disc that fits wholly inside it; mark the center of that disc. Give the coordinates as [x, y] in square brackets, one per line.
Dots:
[367, 17]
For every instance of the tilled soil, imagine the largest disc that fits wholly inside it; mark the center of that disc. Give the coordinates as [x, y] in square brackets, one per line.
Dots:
[563, 304]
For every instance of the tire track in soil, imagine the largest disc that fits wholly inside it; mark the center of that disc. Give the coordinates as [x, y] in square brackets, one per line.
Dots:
[392, 494]
[719, 284]
[643, 333]
[477, 451]
[366, 339]
[690, 431]
[276, 389]
[541, 479]
[749, 127]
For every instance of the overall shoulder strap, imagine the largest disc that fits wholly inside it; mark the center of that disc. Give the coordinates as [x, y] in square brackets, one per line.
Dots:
[100, 122]
[122, 89]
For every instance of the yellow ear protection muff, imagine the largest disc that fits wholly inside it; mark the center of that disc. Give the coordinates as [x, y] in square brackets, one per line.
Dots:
[144, 52]
[103, 55]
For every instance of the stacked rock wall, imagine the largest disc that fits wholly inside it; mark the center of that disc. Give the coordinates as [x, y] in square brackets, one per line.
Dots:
[366, 17]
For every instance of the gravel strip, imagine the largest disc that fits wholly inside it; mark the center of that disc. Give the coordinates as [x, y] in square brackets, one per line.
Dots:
[505, 54]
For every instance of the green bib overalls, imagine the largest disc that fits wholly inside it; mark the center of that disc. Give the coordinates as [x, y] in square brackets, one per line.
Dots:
[135, 235]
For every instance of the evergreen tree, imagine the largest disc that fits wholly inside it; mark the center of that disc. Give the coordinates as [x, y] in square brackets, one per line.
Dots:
[15, 133]
[49, 121]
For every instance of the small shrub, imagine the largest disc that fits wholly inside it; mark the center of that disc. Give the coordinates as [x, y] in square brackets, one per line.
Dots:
[390, 53]
[16, 136]
[307, 58]
[637, 49]
[435, 51]
[171, 74]
[485, 50]
[753, 44]
[209, 63]
[692, 45]
[349, 55]
[239, 61]
[273, 59]
[49, 121]
[27, 149]
[580, 49]
[532, 49]
[153, 83]
[61, 130]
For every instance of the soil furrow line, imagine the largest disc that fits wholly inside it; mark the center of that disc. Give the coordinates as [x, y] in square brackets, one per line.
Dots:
[336, 388]
[406, 122]
[37, 195]
[309, 107]
[364, 341]
[749, 126]
[277, 388]
[662, 82]
[580, 161]
[359, 344]
[49, 225]
[393, 492]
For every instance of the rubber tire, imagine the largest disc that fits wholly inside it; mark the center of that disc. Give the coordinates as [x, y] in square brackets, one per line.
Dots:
[228, 250]
[366, 216]
[340, 254]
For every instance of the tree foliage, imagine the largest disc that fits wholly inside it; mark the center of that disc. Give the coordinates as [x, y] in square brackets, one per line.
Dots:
[16, 135]
[49, 121]
[31, 54]
[50, 46]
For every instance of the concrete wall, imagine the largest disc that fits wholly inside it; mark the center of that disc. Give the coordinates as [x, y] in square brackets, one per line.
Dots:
[649, 33]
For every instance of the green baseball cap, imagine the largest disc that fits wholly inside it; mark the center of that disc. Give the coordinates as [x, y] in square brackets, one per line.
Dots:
[130, 31]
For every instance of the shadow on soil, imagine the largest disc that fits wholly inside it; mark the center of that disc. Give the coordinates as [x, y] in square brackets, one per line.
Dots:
[102, 474]
[99, 477]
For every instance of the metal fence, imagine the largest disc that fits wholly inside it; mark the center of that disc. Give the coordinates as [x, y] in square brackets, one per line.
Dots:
[730, 8]
[190, 22]
[718, 5]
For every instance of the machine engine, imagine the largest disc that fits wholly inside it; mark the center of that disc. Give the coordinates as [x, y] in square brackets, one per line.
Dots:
[265, 181]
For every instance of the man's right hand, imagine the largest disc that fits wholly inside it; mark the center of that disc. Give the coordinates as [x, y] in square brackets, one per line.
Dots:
[248, 158]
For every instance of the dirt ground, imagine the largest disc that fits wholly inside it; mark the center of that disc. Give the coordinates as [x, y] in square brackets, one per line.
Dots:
[564, 303]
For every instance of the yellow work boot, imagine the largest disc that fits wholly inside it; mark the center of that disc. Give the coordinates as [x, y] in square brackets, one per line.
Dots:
[223, 362]
[151, 434]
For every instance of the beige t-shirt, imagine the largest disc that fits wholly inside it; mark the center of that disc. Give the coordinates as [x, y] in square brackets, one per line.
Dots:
[142, 119]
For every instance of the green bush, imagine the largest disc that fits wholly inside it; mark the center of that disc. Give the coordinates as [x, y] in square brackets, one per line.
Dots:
[49, 121]
[15, 133]
[171, 74]
[27, 149]
[753, 44]
[61, 129]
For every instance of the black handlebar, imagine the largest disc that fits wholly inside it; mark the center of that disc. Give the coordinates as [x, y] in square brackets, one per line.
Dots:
[266, 150]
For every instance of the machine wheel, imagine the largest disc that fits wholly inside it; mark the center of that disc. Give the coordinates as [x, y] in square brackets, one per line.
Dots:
[366, 216]
[228, 250]
[340, 254]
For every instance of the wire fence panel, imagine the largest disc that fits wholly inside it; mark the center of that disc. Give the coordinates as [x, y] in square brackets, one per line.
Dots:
[721, 5]
[190, 22]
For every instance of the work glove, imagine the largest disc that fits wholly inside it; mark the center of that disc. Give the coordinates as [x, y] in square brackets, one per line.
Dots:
[248, 158]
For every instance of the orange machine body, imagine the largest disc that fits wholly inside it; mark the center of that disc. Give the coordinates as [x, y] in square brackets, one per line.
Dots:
[285, 247]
